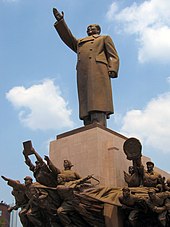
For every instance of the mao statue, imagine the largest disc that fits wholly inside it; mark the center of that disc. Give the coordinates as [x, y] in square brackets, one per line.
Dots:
[97, 63]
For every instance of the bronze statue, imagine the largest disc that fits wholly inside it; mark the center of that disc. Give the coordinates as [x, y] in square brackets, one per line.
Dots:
[63, 198]
[132, 179]
[167, 184]
[41, 210]
[70, 204]
[97, 62]
[151, 178]
[156, 203]
[167, 205]
[39, 206]
[21, 200]
[132, 148]
[67, 173]
[41, 171]
[132, 206]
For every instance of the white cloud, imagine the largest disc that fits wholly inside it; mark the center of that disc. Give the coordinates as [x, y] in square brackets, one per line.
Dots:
[150, 22]
[112, 10]
[41, 106]
[152, 124]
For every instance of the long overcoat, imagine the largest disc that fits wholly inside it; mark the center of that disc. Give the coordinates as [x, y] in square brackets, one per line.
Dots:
[96, 56]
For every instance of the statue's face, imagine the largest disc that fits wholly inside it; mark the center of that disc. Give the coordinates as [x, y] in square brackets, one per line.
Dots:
[131, 169]
[92, 29]
[150, 168]
[60, 179]
[152, 195]
[168, 182]
[28, 181]
[37, 165]
[66, 165]
[126, 193]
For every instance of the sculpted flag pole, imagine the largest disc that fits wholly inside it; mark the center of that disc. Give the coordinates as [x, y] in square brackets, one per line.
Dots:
[97, 63]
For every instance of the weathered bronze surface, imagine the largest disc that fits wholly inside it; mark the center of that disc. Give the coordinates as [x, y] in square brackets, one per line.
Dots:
[132, 148]
[149, 208]
[97, 62]
[62, 198]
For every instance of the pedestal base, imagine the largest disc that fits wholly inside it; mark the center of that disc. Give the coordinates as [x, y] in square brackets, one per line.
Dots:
[92, 150]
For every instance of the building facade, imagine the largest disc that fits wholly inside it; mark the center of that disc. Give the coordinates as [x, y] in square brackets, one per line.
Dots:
[4, 215]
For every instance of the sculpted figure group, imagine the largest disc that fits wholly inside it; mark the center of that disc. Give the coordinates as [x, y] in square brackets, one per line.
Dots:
[60, 198]
[53, 199]
[152, 209]
[146, 200]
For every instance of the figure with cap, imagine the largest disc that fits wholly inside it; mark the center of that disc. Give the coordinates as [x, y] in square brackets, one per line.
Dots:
[36, 195]
[156, 203]
[21, 200]
[132, 206]
[67, 173]
[97, 63]
[151, 178]
[68, 211]
[132, 178]
[168, 184]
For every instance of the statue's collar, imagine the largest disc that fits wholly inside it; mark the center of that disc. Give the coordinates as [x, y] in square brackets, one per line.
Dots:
[89, 38]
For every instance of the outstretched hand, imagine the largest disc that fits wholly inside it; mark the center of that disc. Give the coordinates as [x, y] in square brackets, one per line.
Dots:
[89, 177]
[5, 178]
[57, 14]
[46, 158]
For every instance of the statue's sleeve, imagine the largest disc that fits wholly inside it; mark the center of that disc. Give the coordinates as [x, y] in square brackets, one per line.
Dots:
[112, 55]
[53, 168]
[15, 184]
[66, 35]
[29, 163]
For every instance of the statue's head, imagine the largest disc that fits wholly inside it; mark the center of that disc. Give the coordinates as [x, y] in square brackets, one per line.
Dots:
[28, 180]
[151, 193]
[131, 169]
[126, 192]
[150, 166]
[37, 165]
[93, 29]
[67, 164]
[168, 182]
[60, 179]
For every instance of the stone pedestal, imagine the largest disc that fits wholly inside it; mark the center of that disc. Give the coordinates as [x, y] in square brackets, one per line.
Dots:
[95, 150]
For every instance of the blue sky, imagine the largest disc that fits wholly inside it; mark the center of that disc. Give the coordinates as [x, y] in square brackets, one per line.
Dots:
[38, 95]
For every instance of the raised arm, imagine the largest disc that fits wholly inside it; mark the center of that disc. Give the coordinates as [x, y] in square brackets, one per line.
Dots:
[13, 183]
[38, 157]
[51, 166]
[29, 163]
[63, 30]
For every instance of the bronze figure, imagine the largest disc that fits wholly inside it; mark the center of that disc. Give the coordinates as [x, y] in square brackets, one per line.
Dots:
[97, 63]
[151, 178]
[133, 150]
[21, 200]
[41, 171]
[156, 202]
[133, 206]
